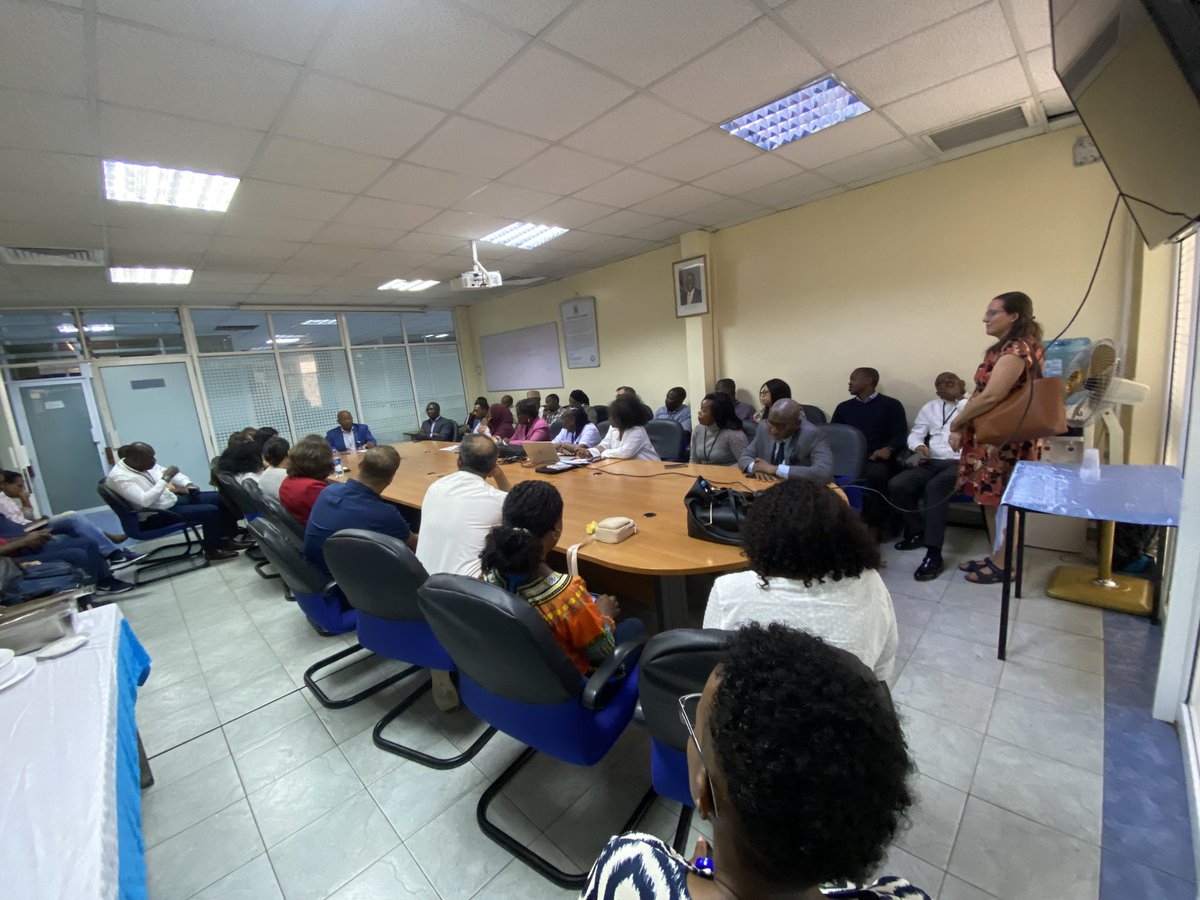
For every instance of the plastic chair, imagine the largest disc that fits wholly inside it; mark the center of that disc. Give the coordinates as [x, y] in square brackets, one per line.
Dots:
[601, 413]
[815, 414]
[380, 577]
[668, 437]
[192, 551]
[849, 447]
[515, 676]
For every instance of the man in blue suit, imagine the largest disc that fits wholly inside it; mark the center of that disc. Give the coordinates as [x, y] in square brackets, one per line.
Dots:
[350, 435]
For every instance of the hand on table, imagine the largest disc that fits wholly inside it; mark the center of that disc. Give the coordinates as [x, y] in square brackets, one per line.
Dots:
[765, 471]
[583, 453]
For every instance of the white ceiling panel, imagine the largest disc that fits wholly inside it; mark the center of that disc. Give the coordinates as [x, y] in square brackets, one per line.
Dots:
[677, 201]
[859, 134]
[389, 264]
[626, 188]
[421, 184]
[1057, 102]
[661, 231]
[357, 236]
[70, 237]
[842, 30]
[571, 212]
[332, 112]
[475, 148]
[561, 170]
[723, 211]
[145, 257]
[428, 50]
[881, 159]
[531, 16]
[377, 213]
[768, 62]
[1041, 67]
[161, 218]
[279, 28]
[72, 209]
[158, 247]
[42, 48]
[746, 176]
[143, 68]
[624, 222]
[791, 191]
[505, 201]
[324, 260]
[205, 280]
[420, 242]
[215, 262]
[265, 198]
[51, 173]
[297, 162]
[151, 138]
[637, 128]
[464, 224]
[641, 41]
[45, 122]
[700, 155]
[966, 97]
[279, 228]
[546, 94]
[1033, 22]
[967, 42]
[229, 246]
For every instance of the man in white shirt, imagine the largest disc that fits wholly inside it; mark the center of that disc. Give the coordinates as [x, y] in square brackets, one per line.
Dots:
[149, 488]
[930, 475]
[460, 509]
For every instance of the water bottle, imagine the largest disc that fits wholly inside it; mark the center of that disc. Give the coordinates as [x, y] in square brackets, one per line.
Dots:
[337, 466]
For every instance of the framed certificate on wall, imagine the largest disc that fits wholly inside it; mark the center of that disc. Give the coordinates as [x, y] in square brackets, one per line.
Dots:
[580, 338]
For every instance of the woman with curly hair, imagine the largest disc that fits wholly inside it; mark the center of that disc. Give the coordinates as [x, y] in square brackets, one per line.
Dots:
[800, 804]
[310, 464]
[813, 566]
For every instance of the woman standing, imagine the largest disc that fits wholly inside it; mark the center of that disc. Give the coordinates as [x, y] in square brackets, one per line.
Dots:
[773, 389]
[983, 470]
[719, 439]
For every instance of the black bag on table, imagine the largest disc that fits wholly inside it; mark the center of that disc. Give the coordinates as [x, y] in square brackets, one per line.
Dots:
[716, 514]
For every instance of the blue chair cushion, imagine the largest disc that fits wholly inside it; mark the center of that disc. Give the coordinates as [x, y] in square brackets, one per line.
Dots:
[566, 731]
[329, 612]
[853, 494]
[669, 773]
[410, 642]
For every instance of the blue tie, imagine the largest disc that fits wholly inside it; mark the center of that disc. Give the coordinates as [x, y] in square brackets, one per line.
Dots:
[777, 459]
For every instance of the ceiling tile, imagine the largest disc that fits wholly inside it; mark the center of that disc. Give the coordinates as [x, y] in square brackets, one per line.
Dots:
[278, 28]
[464, 224]
[505, 201]
[405, 47]
[214, 262]
[421, 184]
[357, 236]
[144, 68]
[1041, 67]
[641, 41]
[42, 48]
[161, 218]
[377, 213]
[531, 16]
[325, 260]
[623, 248]
[30, 234]
[846, 139]
[873, 162]
[791, 191]
[746, 176]
[51, 173]
[475, 148]
[677, 201]
[547, 94]
[561, 170]
[75, 209]
[842, 30]
[277, 228]
[705, 153]
[314, 165]
[635, 129]
[240, 246]
[961, 99]
[205, 280]
[667, 228]
[724, 211]
[626, 188]
[623, 222]
[1033, 22]
[145, 137]
[579, 240]
[953, 48]
[1057, 103]
[182, 259]
[421, 242]
[45, 122]
[333, 112]
[157, 246]
[768, 62]
[570, 212]
[387, 264]
[877, 176]
[265, 198]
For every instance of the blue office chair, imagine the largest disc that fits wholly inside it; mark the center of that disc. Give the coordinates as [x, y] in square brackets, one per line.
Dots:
[380, 577]
[515, 676]
[849, 448]
[189, 551]
[601, 413]
[668, 437]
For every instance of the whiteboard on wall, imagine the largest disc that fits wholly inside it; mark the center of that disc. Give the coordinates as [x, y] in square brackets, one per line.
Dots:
[521, 359]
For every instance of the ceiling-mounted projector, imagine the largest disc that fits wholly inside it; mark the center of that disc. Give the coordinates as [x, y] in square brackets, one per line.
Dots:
[477, 278]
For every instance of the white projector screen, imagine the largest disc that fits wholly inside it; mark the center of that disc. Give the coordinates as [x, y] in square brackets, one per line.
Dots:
[523, 359]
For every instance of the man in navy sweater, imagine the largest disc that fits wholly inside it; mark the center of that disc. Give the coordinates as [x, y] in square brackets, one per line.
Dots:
[883, 422]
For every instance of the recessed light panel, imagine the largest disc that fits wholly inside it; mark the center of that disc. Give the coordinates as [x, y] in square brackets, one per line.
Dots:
[816, 106]
[149, 276]
[524, 236]
[399, 284]
[157, 186]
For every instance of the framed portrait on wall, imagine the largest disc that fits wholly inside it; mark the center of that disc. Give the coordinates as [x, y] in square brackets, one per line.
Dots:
[691, 286]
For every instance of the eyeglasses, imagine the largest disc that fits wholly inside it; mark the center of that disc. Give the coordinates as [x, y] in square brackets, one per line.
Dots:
[694, 701]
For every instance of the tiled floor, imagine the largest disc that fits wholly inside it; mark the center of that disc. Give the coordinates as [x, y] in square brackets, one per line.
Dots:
[262, 793]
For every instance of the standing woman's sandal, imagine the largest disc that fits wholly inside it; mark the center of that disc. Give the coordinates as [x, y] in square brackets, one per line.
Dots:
[988, 573]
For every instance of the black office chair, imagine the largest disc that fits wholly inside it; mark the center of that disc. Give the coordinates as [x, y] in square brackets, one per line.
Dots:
[751, 429]
[555, 427]
[601, 413]
[189, 551]
[849, 447]
[380, 577]
[235, 492]
[668, 437]
[602, 428]
[275, 512]
[814, 414]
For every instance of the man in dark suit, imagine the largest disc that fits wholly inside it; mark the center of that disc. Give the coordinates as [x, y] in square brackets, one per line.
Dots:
[349, 435]
[435, 428]
[690, 293]
[786, 446]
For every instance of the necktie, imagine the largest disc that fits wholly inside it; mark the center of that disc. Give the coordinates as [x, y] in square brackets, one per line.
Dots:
[432, 425]
[777, 457]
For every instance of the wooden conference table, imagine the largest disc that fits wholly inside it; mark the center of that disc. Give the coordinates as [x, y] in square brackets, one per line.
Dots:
[660, 555]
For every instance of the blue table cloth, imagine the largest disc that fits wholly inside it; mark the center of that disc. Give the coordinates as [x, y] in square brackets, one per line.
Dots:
[1140, 495]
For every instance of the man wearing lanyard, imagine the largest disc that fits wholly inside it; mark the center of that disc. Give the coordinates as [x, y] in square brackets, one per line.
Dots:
[932, 471]
[435, 428]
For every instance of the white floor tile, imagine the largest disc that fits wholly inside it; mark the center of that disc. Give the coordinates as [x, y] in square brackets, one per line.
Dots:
[207, 852]
[412, 795]
[190, 799]
[971, 660]
[395, 875]
[303, 795]
[1053, 731]
[934, 819]
[281, 752]
[941, 749]
[944, 695]
[253, 881]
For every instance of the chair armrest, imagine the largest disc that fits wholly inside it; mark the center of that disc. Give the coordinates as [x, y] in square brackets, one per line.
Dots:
[612, 672]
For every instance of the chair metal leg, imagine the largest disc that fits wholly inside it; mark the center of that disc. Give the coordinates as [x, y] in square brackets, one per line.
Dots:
[539, 864]
[331, 703]
[433, 762]
[192, 552]
[261, 566]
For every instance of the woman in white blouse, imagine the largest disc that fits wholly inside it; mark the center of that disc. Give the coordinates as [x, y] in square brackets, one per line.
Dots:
[626, 438]
[577, 433]
[814, 567]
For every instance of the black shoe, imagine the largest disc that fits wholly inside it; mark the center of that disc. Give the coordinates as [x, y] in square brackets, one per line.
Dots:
[219, 554]
[930, 568]
[911, 543]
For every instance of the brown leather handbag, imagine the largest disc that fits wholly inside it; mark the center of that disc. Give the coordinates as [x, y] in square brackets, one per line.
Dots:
[1033, 409]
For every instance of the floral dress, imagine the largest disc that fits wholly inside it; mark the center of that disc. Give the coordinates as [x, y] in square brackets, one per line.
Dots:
[984, 470]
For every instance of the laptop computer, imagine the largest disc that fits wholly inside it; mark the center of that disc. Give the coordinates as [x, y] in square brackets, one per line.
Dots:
[541, 452]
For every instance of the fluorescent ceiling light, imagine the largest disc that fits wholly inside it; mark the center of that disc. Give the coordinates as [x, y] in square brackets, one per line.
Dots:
[98, 328]
[524, 236]
[818, 105]
[399, 284]
[281, 339]
[167, 187]
[139, 275]
[319, 322]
